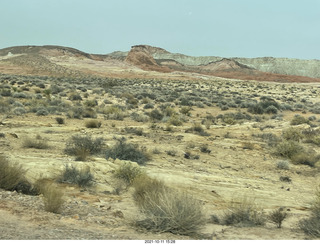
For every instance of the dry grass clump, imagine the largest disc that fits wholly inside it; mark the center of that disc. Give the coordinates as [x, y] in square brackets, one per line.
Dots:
[128, 172]
[198, 129]
[52, 197]
[10, 174]
[243, 214]
[114, 113]
[82, 146]
[93, 124]
[37, 143]
[165, 209]
[292, 134]
[311, 225]
[288, 149]
[296, 153]
[298, 120]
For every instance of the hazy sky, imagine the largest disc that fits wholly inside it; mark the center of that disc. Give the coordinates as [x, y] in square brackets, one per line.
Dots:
[229, 28]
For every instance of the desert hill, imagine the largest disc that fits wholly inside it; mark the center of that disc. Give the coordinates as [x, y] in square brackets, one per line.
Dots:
[151, 62]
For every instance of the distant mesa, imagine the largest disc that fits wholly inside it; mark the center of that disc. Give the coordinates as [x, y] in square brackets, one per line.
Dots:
[141, 57]
[60, 61]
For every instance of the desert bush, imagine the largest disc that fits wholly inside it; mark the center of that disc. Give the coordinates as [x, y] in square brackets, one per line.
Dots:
[298, 120]
[134, 130]
[139, 117]
[5, 92]
[37, 143]
[78, 143]
[270, 138]
[204, 148]
[60, 120]
[19, 111]
[283, 165]
[277, 216]
[93, 124]
[72, 175]
[293, 134]
[91, 103]
[52, 197]
[271, 109]
[243, 214]
[128, 172]
[288, 149]
[19, 95]
[172, 152]
[306, 158]
[185, 110]
[10, 174]
[75, 112]
[165, 209]
[148, 106]
[75, 97]
[89, 113]
[127, 151]
[248, 145]
[113, 112]
[156, 115]
[42, 111]
[311, 225]
[198, 129]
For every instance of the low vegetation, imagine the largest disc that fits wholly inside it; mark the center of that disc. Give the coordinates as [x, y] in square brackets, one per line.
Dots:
[311, 225]
[128, 172]
[80, 177]
[52, 197]
[10, 174]
[83, 145]
[126, 151]
[165, 209]
[244, 213]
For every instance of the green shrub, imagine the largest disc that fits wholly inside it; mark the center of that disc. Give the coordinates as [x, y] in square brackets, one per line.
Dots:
[127, 151]
[83, 143]
[165, 209]
[72, 175]
[128, 173]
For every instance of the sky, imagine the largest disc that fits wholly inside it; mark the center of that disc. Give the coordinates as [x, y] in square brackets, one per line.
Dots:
[226, 28]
